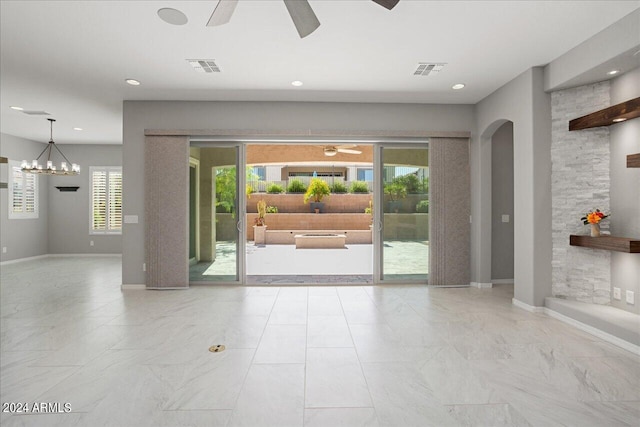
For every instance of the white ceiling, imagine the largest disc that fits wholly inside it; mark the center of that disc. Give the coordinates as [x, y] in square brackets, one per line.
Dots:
[70, 58]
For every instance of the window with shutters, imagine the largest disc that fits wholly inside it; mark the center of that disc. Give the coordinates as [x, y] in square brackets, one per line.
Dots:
[106, 200]
[23, 193]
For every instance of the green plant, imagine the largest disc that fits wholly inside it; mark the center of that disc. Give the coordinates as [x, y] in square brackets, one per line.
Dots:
[425, 184]
[369, 209]
[411, 182]
[262, 211]
[338, 187]
[296, 186]
[395, 190]
[359, 187]
[274, 188]
[225, 190]
[317, 189]
[422, 206]
[272, 209]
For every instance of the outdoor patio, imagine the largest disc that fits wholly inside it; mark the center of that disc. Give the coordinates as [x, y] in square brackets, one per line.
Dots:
[284, 264]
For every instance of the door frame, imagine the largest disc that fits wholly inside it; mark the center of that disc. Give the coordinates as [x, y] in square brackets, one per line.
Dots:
[240, 165]
[378, 211]
[195, 163]
[379, 143]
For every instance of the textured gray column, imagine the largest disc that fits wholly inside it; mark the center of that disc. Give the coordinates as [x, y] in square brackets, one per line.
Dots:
[166, 161]
[449, 210]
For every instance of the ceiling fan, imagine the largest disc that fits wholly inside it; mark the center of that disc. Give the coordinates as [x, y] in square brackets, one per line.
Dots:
[332, 150]
[303, 17]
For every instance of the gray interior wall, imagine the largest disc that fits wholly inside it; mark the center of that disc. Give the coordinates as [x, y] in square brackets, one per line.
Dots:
[275, 116]
[502, 202]
[596, 54]
[625, 191]
[523, 102]
[23, 237]
[69, 212]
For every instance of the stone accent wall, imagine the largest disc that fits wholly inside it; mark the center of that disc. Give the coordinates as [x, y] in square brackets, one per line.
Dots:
[580, 183]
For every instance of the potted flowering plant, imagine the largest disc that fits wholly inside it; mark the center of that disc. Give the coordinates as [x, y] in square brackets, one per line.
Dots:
[594, 218]
[260, 227]
[317, 189]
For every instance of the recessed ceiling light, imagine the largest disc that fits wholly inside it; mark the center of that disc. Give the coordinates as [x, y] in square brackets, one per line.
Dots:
[77, 128]
[132, 82]
[172, 16]
[13, 107]
[457, 86]
[296, 83]
[621, 119]
[613, 72]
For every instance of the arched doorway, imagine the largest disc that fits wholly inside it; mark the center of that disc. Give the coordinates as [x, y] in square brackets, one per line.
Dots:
[502, 220]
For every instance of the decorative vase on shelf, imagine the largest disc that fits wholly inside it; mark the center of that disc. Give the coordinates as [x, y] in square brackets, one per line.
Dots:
[595, 230]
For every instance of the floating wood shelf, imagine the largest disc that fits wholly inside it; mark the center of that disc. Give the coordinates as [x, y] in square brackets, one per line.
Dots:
[75, 188]
[607, 243]
[633, 160]
[625, 110]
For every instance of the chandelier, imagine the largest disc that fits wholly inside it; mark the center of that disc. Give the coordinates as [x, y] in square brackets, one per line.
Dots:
[49, 169]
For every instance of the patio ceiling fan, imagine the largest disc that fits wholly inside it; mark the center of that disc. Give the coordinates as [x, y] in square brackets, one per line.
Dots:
[303, 17]
[332, 150]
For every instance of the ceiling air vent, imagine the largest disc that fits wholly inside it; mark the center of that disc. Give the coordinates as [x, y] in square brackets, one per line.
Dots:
[36, 113]
[204, 65]
[426, 68]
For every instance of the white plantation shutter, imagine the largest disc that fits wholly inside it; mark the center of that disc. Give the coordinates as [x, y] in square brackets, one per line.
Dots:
[115, 201]
[99, 200]
[23, 194]
[18, 190]
[106, 200]
[30, 193]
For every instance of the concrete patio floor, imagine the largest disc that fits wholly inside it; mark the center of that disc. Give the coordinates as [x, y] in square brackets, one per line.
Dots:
[281, 264]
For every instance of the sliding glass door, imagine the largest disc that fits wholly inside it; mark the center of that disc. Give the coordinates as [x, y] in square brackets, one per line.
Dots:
[217, 222]
[402, 214]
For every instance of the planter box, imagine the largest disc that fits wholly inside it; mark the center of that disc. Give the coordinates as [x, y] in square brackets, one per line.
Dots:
[320, 241]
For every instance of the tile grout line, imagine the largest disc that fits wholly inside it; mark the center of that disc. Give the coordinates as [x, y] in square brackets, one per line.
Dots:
[251, 364]
[364, 377]
[306, 352]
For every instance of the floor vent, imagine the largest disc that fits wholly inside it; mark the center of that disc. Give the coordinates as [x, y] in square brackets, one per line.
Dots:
[204, 65]
[426, 68]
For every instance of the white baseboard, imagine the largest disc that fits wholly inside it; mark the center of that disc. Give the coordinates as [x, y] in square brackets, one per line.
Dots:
[481, 285]
[177, 288]
[525, 306]
[502, 281]
[593, 331]
[34, 258]
[31, 258]
[133, 287]
[83, 255]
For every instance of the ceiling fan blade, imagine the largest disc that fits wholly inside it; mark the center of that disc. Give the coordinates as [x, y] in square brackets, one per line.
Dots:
[389, 4]
[222, 13]
[303, 17]
[346, 146]
[349, 151]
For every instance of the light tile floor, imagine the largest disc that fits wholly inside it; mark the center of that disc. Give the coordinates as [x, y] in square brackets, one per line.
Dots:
[296, 356]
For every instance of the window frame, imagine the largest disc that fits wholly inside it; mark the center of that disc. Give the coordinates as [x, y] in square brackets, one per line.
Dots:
[108, 170]
[10, 196]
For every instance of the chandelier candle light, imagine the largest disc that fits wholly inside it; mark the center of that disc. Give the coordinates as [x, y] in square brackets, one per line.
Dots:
[49, 169]
[594, 219]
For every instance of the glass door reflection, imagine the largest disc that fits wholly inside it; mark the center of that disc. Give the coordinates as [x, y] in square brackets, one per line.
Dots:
[405, 214]
[215, 236]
